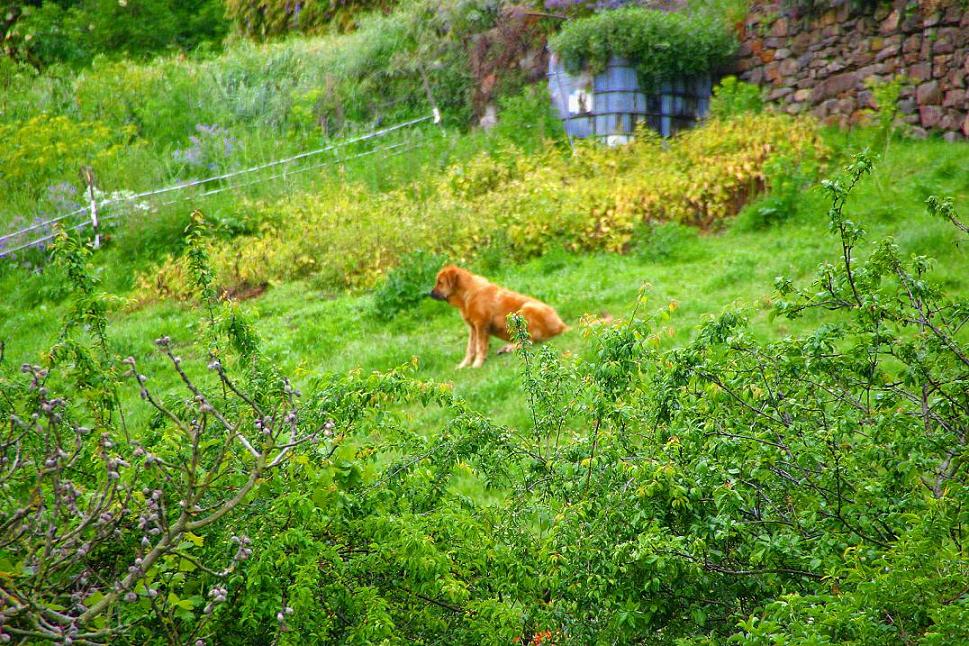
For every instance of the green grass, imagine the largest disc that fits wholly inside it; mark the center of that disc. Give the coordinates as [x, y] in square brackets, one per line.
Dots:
[311, 333]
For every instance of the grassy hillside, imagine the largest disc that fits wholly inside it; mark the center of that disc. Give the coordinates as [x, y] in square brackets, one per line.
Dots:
[240, 420]
[310, 330]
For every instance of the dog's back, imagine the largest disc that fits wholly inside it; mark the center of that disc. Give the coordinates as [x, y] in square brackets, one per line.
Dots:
[496, 303]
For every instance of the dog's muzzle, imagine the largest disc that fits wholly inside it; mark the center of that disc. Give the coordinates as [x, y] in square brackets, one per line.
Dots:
[435, 296]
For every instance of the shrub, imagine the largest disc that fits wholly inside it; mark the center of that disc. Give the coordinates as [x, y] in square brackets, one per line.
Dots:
[732, 97]
[75, 32]
[526, 118]
[102, 530]
[266, 19]
[786, 180]
[518, 206]
[661, 45]
[45, 149]
[406, 286]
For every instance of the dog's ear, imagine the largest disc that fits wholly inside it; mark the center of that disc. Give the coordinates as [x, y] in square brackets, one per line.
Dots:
[450, 277]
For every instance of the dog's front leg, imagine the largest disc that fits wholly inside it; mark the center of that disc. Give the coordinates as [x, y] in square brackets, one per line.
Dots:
[472, 345]
[481, 348]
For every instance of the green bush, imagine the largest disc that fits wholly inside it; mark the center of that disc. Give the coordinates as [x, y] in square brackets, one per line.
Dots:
[732, 97]
[527, 118]
[75, 31]
[665, 242]
[786, 180]
[266, 19]
[406, 286]
[503, 205]
[662, 45]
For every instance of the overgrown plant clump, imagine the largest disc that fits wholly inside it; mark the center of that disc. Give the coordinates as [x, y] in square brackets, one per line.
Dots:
[520, 206]
[405, 286]
[277, 17]
[662, 45]
[101, 522]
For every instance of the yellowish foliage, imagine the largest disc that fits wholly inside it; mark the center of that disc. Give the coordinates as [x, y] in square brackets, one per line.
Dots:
[521, 205]
[46, 148]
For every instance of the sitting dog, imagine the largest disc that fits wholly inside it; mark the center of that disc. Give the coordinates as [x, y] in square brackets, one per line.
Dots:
[485, 306]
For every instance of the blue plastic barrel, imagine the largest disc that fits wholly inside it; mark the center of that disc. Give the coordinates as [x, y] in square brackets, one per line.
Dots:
[610, 105]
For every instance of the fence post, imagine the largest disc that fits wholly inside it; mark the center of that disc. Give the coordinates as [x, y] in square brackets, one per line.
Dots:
[87, 173]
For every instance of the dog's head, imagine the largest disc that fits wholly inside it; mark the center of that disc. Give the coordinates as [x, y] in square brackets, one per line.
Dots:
[449, 281]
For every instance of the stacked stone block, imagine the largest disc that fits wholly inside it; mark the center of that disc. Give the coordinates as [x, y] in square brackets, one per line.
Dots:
[820, 63]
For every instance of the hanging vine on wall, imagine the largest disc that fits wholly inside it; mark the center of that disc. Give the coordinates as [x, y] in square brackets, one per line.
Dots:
[661, 45]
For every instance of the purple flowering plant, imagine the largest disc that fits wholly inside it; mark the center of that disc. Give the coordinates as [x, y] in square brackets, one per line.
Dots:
[210, 149]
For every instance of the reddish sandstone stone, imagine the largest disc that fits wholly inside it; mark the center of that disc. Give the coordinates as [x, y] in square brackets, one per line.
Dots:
[912, 43]
[840, 83]
[940, 65]
[930, 115]
[920, 72]
[907, 106]
[956, 78]
[887, 52]
[779, 28]
[890, 23]
[953, 14]
[954, 99]
[950, 121]
[945, 41]
[788, 67]
[929, 93]
[779, 93]
[772, 73]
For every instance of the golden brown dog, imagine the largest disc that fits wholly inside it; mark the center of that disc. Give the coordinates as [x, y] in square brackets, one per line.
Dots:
[485, 306]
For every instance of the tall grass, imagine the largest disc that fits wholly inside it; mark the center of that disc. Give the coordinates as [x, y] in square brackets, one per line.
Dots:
[269, 99]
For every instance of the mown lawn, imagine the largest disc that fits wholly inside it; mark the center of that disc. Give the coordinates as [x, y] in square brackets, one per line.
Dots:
[311, 333]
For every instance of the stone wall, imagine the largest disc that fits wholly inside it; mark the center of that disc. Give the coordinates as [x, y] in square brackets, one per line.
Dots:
[820, 63]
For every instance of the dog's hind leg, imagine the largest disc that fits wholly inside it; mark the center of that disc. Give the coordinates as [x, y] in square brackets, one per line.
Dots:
[472, 346]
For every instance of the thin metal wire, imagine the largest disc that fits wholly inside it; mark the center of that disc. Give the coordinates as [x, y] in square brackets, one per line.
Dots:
[176, 187]
[400, 148]
[40, 225]
[294, 172]
[76, 227]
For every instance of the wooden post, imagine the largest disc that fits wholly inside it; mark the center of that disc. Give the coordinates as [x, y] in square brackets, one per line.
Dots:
[87, 174]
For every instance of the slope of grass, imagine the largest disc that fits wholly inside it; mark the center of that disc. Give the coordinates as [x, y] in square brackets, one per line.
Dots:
[311, 333]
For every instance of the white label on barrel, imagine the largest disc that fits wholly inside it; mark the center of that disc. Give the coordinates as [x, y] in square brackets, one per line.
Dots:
[579, 102]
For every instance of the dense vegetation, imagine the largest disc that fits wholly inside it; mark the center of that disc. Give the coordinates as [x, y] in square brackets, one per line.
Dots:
[144, 125]
[266, 19]
[662, 45]
[74, 32]
[238, 421]
[524, 206]
[808, 487]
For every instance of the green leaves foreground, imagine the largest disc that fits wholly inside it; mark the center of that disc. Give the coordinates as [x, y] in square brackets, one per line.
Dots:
[809, 490]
